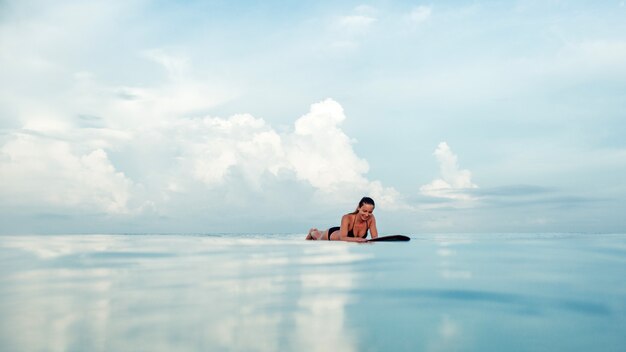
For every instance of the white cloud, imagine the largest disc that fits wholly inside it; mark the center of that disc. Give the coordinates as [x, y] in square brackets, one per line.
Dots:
[453, 180]
[321, 153]
[45, 173]
[57, 159]
[53, 161]
[211, 146]
[356, 23]
[420, 14]
[317, 152]
[85, 144]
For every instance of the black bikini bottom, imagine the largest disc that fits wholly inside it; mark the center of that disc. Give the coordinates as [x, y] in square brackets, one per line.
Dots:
[331, 230]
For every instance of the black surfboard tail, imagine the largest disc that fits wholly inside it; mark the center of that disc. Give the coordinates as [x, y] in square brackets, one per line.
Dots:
[393, 238]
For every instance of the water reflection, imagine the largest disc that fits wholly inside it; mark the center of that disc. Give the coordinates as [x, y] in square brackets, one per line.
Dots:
[160, 293]
[449, 268]
[499, 300]
[273, 293]
[447, 337]
[320, 321]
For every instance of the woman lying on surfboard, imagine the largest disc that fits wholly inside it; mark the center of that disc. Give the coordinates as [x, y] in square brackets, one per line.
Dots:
[354, 226]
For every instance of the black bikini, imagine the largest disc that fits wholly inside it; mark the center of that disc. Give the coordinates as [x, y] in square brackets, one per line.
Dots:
[350, 232]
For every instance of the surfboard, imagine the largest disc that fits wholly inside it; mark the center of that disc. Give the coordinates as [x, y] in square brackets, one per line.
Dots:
[393, 238]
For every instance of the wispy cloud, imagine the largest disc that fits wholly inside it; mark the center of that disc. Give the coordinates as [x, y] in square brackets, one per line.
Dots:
[512, 191]
[420, 14]
[348, 30]
[361, 18]
[526, 195]
[356, 23]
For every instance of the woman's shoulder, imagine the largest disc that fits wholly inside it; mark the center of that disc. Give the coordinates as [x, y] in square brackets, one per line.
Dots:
[348, 216]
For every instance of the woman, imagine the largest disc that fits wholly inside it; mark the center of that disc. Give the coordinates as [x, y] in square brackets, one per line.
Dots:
[354, 226]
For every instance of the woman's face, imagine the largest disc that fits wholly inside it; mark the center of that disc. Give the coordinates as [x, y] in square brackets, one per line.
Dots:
[365, 211]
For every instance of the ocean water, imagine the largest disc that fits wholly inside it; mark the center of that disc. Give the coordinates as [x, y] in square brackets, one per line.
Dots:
[480, 292]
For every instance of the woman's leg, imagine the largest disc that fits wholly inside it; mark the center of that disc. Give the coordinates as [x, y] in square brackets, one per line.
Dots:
[315, 234]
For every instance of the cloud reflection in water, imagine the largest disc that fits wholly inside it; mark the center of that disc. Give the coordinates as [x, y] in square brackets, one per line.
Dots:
[266, 293]
[164, 293]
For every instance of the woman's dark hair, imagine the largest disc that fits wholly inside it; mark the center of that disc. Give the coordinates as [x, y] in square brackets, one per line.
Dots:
[363, 201]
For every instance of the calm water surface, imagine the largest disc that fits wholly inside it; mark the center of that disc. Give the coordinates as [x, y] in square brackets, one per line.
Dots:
[496, 292]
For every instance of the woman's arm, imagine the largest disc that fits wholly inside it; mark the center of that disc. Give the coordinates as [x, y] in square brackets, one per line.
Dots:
[373, 229]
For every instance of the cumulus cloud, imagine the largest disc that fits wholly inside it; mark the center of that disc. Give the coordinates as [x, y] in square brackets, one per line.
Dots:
[316, 151]
[64, 163]
[45, 173]
[453, 182]
[57, 158]
[210, 147]
[321, 153]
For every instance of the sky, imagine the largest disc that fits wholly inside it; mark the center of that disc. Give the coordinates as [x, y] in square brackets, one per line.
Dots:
[242, 117]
